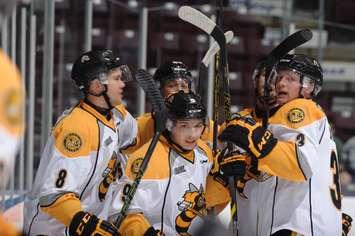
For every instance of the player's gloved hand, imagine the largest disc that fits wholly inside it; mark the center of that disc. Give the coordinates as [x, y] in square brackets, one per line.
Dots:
[250, 136]
[346, 222]
[84, 223]
[228, 164]
[153, 232]
[232, 164]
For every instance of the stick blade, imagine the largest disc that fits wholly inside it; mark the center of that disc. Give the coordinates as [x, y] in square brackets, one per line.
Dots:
[291, 42]
[197, 18]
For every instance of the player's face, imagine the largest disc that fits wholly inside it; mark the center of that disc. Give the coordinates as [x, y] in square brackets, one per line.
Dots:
[186, 132]
[115, 87]
[288, 86]
[174, 86]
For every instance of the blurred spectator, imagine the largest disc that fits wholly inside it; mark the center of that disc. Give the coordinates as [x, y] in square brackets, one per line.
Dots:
[349, 156]
[345, 176]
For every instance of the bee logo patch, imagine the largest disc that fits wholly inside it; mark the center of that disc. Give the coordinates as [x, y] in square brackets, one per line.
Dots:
[295, 115]
[192, 205]
[136, 164]
[72, 142]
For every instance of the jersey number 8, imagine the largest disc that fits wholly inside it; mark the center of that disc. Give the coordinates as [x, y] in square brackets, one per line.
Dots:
[61, 178]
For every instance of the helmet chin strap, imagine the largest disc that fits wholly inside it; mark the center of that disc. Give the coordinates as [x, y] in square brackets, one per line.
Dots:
[107, 98]
[104, 94]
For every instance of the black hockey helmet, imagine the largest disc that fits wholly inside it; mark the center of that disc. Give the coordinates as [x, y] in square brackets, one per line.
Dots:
[308, 68]
[172, 70]
[183, 105]
[95, 65]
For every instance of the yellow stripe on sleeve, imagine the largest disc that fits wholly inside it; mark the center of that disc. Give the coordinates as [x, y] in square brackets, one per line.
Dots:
[282, 161]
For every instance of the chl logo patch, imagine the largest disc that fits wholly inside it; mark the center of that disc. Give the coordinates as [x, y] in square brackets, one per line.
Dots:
[136, 164]
[72, 142]
[295, 115]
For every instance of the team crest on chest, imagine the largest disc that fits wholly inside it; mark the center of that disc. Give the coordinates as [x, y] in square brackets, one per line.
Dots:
[72, 142]
[136, 164]
[295, 115]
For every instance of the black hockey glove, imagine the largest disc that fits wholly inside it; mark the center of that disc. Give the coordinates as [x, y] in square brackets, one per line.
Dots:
[153, 232]
[84, 223]
[232, 164]
[346, 222]
[228, 164]
[250, 136]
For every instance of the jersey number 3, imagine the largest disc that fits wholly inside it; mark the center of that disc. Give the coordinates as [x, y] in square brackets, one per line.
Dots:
[335, 188]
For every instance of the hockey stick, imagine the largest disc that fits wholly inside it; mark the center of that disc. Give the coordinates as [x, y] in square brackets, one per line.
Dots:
[207, 60]
[146, 82]
[215, 48]
[204, 23]
[288, 44]
[201, 21]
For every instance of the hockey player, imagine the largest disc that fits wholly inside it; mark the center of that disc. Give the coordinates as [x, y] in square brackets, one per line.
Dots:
[171, 77]
[81, 163]
[11, 119]
[248, 185]
[176, 188]
[303, 194]
[11, 126]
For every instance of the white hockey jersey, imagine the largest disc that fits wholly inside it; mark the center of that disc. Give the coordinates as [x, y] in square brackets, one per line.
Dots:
[308, 207]
[82, 155]
[176, 188]
[11, 126]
